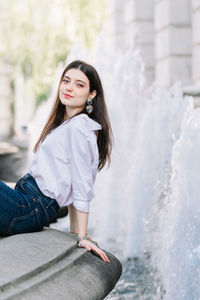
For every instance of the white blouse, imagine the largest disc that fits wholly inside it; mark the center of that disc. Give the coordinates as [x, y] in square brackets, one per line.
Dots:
[66, 162]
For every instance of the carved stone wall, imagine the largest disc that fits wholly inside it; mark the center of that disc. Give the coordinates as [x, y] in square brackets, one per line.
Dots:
[167, 34]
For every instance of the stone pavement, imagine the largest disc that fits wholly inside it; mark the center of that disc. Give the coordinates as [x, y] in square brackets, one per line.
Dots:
[49, 265]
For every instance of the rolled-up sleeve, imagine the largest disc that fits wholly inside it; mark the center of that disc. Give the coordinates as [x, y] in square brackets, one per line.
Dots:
[81, 156]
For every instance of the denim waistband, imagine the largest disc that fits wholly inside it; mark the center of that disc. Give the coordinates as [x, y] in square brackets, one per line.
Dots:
[27, 182]
[34, 186]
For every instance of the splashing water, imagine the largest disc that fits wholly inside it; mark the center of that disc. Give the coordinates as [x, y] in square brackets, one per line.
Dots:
[146, 209]
[149, 202]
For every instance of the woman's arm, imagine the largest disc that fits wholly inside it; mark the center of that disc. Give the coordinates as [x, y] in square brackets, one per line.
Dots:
[82, 223]
[73, 219]
[81, 155]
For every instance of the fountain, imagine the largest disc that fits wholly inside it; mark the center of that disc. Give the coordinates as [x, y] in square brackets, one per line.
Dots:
[149, 205]
[146, 208]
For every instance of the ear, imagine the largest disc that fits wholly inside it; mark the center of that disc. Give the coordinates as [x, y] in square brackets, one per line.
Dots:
[92, 94]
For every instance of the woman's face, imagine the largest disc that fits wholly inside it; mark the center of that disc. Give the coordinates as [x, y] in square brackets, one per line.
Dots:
[75, 90]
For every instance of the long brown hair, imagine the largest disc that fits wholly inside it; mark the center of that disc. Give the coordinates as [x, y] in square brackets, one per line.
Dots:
[99, 113]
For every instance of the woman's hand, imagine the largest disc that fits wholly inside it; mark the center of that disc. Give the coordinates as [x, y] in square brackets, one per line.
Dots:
[84, 240]
[90, 246]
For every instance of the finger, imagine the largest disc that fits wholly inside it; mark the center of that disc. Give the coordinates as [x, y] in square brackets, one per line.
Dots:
[105, 258]
[100, 253]
[103, 255]
[88, 248]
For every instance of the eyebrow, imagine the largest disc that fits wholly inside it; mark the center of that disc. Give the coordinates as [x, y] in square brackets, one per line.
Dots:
[75, 79]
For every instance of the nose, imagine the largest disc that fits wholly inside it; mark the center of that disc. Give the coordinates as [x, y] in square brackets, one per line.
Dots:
[69, 86]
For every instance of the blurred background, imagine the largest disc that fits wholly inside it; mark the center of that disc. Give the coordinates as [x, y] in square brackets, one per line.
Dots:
[35, 37]
[147, 53]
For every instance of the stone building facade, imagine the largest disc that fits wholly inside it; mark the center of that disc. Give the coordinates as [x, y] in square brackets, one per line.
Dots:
[167, 32]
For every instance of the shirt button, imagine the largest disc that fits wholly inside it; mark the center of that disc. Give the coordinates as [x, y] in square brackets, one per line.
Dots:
[33, 199]
[36, 210]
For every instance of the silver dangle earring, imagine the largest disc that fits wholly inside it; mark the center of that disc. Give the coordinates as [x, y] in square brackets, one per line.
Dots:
[89, 107]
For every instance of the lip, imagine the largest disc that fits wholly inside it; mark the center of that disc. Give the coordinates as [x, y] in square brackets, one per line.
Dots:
[68, 96]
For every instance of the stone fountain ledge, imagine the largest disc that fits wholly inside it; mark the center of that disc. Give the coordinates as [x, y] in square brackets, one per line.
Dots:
[49, 265]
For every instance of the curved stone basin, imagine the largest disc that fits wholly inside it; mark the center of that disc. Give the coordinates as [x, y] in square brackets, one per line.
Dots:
[49, 265]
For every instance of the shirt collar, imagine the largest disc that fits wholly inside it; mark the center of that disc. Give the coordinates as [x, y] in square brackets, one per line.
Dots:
[93, 125]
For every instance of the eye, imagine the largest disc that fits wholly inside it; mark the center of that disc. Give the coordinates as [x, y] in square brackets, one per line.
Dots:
[65, 80]
[80, 85]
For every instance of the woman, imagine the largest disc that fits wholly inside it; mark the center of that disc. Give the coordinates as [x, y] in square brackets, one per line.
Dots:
[74, 144]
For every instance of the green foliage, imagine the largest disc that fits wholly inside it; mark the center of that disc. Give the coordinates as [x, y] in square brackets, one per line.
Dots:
[36, 34]
[90, 16]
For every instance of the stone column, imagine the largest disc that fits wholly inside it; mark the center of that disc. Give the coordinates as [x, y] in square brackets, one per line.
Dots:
[139, 31]
[6, 117]
[116, 12]
[173, 42]
[132, 28]
[196, 41]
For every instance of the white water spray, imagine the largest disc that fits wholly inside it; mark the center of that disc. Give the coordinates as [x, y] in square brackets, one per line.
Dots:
[148, 200]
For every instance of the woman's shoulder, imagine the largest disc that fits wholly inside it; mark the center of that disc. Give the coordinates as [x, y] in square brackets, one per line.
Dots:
[84, 122]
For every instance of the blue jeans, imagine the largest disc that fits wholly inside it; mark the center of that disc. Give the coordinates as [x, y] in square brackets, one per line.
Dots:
[24, 208]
